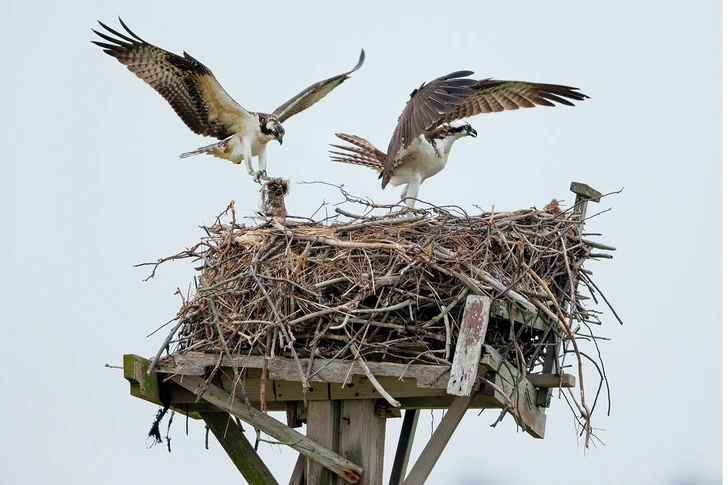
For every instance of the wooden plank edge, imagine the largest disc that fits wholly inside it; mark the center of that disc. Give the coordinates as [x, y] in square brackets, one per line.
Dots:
[551, 381]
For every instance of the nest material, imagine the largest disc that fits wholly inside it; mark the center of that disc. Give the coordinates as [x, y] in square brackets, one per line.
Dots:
[390, 288]
[403, 278]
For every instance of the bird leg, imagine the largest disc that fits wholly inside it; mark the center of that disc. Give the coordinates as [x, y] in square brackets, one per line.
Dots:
[261, 176]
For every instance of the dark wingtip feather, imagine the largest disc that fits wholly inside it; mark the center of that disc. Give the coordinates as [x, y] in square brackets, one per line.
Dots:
[360, 63]
[457, 74]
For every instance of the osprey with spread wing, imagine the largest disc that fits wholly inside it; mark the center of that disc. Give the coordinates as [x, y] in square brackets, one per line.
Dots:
[433, 119]
[196, 96]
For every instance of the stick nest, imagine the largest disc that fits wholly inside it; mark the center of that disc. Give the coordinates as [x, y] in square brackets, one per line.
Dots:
[392, 287]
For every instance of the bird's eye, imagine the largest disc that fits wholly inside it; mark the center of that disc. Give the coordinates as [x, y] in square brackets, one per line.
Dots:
[467, 127]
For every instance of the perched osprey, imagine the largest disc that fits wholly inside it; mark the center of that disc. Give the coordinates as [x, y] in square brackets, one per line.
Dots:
[196, 96]
[422, 139]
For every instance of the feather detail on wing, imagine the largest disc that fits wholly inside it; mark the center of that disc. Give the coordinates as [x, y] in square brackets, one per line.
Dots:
[362, 153]
[313, 94]
[493, 96]
[425, 108]
[187, 85]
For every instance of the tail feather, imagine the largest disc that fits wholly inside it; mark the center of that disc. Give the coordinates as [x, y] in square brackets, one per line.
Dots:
[207, 148]
[362, 153]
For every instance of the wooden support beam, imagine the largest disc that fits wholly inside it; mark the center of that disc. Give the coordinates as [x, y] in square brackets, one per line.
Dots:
[299, 470]
[552, 380]
[238, 448]
[404, 446]
[362, 438]
[434, 448]
[284, 369]
[322, 426]
[464, 372]
[142, 385]
[149, 388]
[351, 472]
[584, 194]
[515, 393]
[550, 367]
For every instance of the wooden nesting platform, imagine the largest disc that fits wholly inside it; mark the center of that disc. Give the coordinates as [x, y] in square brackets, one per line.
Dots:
[344, 326]
[245, 385]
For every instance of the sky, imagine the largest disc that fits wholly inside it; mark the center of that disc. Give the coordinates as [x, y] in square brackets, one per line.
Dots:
[93, 185]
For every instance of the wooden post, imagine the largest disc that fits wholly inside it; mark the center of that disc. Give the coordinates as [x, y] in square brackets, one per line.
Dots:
[404, 446]
[322, 426]
[362, 438]
[242, 454]
[584, 194]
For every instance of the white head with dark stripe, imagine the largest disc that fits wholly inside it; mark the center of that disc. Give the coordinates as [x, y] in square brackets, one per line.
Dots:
[445, 135]
[271, 127]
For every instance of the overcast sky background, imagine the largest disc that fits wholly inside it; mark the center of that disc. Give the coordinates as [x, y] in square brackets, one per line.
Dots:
[92, 184]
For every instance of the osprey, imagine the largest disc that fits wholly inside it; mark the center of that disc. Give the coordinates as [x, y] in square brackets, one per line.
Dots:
[196, 96]
[425, 131]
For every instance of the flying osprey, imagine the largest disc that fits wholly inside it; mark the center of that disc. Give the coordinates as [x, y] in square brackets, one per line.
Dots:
[423, 137]
[196, 96]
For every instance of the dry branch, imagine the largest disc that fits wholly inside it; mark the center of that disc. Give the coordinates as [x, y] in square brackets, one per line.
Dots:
[391, 288]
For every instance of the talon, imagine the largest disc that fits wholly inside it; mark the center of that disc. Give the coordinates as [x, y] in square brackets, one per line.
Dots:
[261, 175]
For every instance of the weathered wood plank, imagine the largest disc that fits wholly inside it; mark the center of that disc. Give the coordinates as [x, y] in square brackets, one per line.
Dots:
[362, 438]
[552, 380]
[284, 369]
[197, 363]
[147, 387]
[236, 445]
[351, 472]
[464, 372]
[517, 395]
[404, 446]
[585, 191]
[322, 426]
[293, 391]
[484, 399]
[434, 448]
[361, 388]
[141, 385]
[337, 371]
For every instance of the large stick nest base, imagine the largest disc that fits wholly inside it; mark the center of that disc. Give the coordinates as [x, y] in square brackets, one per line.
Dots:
[388, 288]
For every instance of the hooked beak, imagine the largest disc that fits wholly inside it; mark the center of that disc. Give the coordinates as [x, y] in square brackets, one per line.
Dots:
[473, 133]
[280, 139]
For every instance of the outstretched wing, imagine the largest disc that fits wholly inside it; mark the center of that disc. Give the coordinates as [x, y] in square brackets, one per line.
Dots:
[493, 96]
[187, 85]
[425, 108]
[362, 153]
[313, 94]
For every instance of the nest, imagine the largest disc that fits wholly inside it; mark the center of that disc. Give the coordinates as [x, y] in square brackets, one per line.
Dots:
[390, 287]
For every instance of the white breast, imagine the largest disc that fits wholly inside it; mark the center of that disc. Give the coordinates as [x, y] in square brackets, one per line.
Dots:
[420, 160]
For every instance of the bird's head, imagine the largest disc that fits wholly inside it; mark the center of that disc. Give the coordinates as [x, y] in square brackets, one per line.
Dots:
[272, 128]
[460, 128]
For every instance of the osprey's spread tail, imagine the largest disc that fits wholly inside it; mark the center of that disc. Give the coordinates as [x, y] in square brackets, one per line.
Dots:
[362, 153]
[221, 146]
